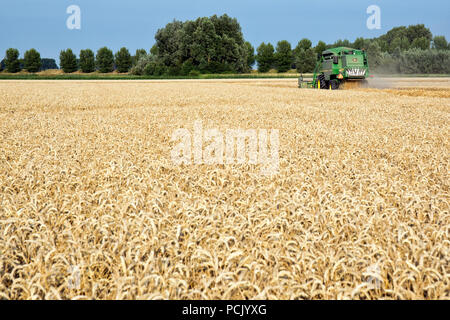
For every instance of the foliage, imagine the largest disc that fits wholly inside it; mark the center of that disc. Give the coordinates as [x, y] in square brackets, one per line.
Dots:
[139, 53]
[406, 35]
[216, 45]
[12, 62]
[342, 43]
[212, 44]
[104, 60]
[251, 59]
[401, 43]
[320, 47]
[303, 44]
[194, 73]
[305, 61]
[47, 63]
[374, 54]
[421, 43]
[138, 68]
[32, 60]
[156, 67]
[87, 61]
[68, 61]
[283, 56]
[440, 43]
[359, 43]
[424, 61]
[123, 60]
[415, 61]
[265, 57]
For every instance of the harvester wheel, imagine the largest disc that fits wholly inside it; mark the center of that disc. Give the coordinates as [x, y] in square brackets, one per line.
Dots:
[334, 84]
[323, 83]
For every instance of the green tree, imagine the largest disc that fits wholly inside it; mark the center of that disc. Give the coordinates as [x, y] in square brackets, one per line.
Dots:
[68, 61]
[87, 61]
[303, 44]
[320, 47]
[421, 43]
[105, 60]
[384, 46]
[342, 43]
[48, 63]
[32, 60]
[395, 44]
[404, 44]
[138, 69]
[212, 44]
[397, 32]
[359, 43]
[139, 53]
[154, 50]
[12, 62]
[283, 56]
[265, 57]
[169, 42]
[374, 54]
[187, 67]
[401, 43]
[305, 61]
[418, 31]
[440, 43]
[250, 55]
[155, 68]
[123, 60]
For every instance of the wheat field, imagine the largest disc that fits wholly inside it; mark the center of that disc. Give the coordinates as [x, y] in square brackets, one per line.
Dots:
[93, 207]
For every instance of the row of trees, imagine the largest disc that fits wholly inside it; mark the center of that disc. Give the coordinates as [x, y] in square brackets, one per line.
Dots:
[283, 58]
[104, 61]
[32, 61]
[216, 45]
[411, 49]
[396, 51]
[413, 61]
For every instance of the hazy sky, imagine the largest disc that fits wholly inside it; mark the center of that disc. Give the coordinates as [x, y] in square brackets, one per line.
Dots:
[41, 24]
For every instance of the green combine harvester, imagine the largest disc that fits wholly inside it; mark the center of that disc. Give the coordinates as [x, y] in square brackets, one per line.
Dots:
[337, 66]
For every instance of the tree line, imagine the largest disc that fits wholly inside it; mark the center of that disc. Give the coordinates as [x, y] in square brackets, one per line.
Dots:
[410, 49]
[104, 61]
[32, 61]
[216, 45]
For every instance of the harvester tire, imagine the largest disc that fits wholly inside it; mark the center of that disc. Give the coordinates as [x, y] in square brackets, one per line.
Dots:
[334, 84]
[323, 83]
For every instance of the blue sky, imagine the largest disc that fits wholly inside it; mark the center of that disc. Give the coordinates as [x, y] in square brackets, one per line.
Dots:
[41, 24]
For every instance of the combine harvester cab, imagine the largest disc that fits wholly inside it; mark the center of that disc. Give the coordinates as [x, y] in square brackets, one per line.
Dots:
[337, 66]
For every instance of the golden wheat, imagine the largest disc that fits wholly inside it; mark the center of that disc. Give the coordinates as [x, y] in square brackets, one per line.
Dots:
[359, 209]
